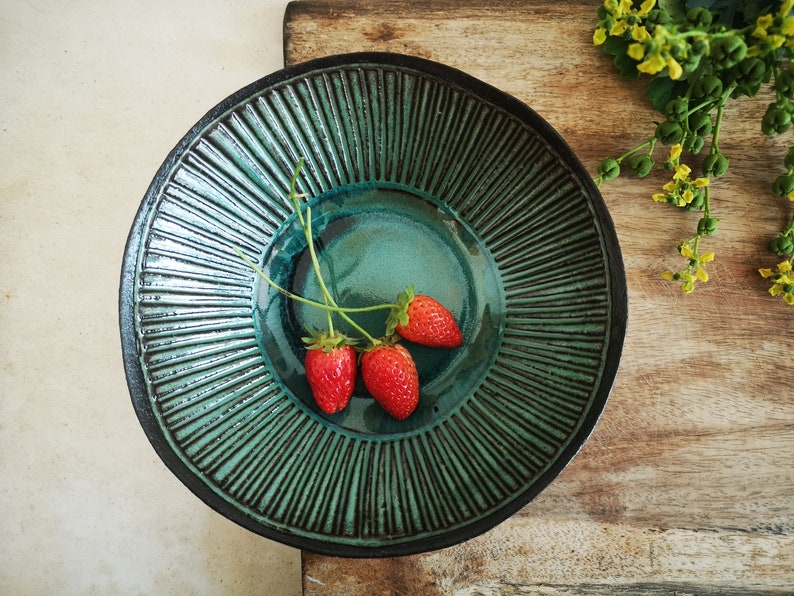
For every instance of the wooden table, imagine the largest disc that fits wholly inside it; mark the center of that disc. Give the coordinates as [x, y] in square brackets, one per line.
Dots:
[687, 484]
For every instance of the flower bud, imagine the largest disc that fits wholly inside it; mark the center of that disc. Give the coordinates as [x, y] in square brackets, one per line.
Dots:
[782, 245]
[669, 132]
[676, 109]
[707, 86]
[727, 51]
[784, 81]
[776, 120]
[783, 185]
[694, 143]
[700, 124]
[609, 169]
[697, 202]
[715, 164]
[789, 159]
[749, 72]
[707, 226]
[659, 16]
[699, 17]
[641, 165]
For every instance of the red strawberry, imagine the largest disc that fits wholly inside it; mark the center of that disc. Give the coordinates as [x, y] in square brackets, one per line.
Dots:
[424, 320]
[390, 375]
[331, 371]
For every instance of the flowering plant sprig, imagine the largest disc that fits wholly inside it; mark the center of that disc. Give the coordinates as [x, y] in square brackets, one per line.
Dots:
[700, 54]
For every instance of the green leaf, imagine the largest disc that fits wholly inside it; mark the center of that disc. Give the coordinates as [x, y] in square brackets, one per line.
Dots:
[615, 45]
[660, 92]
[662, 89]
[675, 8]
[618, 47]
[627, 66]
[399, 314]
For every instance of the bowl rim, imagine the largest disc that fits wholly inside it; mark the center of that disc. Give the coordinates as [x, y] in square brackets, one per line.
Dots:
[618, 314]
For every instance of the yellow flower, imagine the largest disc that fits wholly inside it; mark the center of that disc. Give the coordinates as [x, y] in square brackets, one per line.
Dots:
[659, 197]
[636, 51]
[619, 28]
[775, 41]
[624, 7]
[674, 69]
[646, 7]
[694, 271]
[762, 25]
[600, 36]
[688, 195]
[783, 282]
[787, 28]
[786, 7]
[675, 152]
[639, 33]
[700, 182]
[764, 22]
[654, 63]
[682, 172]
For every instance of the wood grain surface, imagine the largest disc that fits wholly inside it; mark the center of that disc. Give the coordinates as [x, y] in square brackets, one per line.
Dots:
[687, 484]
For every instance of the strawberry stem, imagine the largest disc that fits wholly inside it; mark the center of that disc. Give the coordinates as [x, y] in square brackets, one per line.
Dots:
[329, 305]
[328, 300]
[297, 297]
[306, 225]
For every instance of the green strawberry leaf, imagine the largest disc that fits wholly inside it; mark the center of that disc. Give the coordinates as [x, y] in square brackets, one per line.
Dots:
[399, 314]
[322, 340]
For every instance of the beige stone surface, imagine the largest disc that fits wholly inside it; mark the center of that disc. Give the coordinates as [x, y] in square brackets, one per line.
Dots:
[93, 95]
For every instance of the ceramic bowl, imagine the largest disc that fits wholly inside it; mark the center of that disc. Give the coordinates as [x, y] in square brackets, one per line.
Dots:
[417, 174]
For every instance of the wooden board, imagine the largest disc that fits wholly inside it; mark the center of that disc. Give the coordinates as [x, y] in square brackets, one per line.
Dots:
[687, 483]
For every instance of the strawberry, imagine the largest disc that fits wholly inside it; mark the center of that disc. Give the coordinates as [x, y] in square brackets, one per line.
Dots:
[424, 320]
[330, 370]
[389, 374]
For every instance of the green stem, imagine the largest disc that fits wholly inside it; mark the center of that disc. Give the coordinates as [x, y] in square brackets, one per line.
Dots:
[293, 195]
[360, 329]
[307, 301]
[315, 261]
[275, 286]
[715, 135]
[692, 81]
[649, 142]
[306, 226]
[327, 298]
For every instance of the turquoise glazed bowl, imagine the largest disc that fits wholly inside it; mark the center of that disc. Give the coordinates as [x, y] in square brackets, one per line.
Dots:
[417, 174]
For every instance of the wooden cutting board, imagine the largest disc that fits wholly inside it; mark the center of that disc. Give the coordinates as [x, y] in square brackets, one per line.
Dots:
[687, 484]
